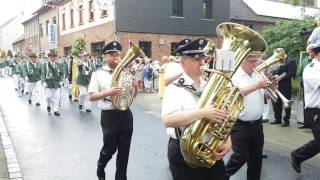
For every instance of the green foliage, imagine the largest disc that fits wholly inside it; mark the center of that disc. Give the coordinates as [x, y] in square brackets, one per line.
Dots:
[78, 47]
[286, 34]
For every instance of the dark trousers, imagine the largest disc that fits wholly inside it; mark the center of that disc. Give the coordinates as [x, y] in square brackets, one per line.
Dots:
[181, 171]
[117, 132]
[277, 108]
[247, 145]
[311, 148]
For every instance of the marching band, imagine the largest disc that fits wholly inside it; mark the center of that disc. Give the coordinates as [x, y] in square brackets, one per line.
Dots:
[181, 85]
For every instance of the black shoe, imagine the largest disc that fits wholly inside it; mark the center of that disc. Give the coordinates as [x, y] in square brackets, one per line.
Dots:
[48, 108]
[101, 178]
[29, 101]
[22, 91]
[88, 110]
[70, 97]
[101, 174]
[37, 104]
[275, 122]
[80, 107]
[285, 124]
[295, 165]
[303, 127]
[27, 93]
[265, 120]
[56, 113]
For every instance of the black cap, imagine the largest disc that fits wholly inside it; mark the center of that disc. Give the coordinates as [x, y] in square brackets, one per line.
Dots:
[52, 54]
[111, 47]
[193, 49]
[316, 48]
[182, 43]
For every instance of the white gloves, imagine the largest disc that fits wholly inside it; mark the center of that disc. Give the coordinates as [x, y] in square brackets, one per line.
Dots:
[44, 85]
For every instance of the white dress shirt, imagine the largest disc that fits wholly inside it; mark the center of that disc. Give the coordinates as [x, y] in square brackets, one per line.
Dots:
[172, 69]
[311, 83]
[100, 81]
[179, 99]
[254, 102]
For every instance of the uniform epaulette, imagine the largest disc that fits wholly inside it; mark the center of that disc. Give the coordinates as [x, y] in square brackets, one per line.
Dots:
[311, 64]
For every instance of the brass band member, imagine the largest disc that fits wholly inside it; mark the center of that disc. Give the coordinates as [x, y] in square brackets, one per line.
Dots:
[32, 70]
[83, 79]
[52, 78]
[116, 125]
[247, 135]
[178, 111]
[311, 84]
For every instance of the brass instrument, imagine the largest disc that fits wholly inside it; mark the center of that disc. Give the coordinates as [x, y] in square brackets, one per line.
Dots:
[277, 57]
[123, 78]
[200, 140]
[86, 69]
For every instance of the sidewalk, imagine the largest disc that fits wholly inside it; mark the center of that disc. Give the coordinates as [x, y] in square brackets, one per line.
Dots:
[4, 175]
[280, 140]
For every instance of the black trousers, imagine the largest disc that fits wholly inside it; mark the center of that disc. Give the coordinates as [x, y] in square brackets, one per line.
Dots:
[181, 171]
[247, 145]
[277, 108]
[311, 148]
[117, 132]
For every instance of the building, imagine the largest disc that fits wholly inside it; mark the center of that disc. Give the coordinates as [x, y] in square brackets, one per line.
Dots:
[31, 34]
[156, 26]
[18, 45]
[11, 30]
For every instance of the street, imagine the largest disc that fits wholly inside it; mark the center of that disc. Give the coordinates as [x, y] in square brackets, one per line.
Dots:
[67, 147]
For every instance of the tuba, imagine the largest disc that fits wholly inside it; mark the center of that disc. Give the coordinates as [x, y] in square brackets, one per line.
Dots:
[201, 139]
[123, 78]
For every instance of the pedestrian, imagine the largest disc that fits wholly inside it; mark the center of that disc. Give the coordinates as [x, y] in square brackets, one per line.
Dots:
[289, 67]
[52, 80]
[247, 135]
[311, 84]
[116, 125]
[147, 76]
[179, 110]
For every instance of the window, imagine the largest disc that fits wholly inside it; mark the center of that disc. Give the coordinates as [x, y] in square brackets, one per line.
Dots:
[207, 9]
[146, 47]
[63, 21]
[80, 15]
[96, 49]
[177, 8]
[249, 25]
[41, 30]
[71, 18]
[54, 20]
[91, 11]
[173, 47]
[47, 27]
[104, 13]
[67, 51]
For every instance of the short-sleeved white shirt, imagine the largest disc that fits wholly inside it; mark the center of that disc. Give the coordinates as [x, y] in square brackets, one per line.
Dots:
[179, 99]
[172, 69]
[254, 102]
[311, 83]
[101, 80]
[315, 36]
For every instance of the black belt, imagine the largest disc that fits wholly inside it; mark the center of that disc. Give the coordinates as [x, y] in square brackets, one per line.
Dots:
[249, 122]
[313, 110]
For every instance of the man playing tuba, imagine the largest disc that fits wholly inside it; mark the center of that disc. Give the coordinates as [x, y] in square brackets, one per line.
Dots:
[116, 124]
[179, 110]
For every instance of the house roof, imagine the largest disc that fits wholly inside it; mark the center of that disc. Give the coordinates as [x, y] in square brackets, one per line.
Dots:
[29, 19]
[279, 10]
[19, 39]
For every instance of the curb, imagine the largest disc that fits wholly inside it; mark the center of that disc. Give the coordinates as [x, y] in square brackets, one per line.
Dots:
[13, 166]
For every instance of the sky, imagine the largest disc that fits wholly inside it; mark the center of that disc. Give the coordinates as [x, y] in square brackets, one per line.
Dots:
[12, 8]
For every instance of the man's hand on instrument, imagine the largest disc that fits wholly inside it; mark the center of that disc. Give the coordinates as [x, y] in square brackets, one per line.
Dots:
[264, 83]
[223, 149]
[115, 91]
[214, 114]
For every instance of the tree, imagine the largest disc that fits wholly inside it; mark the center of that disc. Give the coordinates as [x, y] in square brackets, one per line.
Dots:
[286, 34]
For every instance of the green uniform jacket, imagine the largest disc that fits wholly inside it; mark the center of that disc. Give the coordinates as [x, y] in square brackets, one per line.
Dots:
[21, 69]
[33, 71]
[84, 76]
[2, 64]
[52, 76]
[15, 68]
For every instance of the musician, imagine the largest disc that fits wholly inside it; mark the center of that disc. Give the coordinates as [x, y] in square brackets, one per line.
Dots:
[32, 71]
[52, 77]
[69, 74]
[83, 79]
[179, 110]
[247, 135]
[289, 67]
[173, 69]
[315, 35]
[311, 83]
[116, 125]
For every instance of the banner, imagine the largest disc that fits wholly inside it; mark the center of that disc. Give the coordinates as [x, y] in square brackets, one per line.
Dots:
[53, 37]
